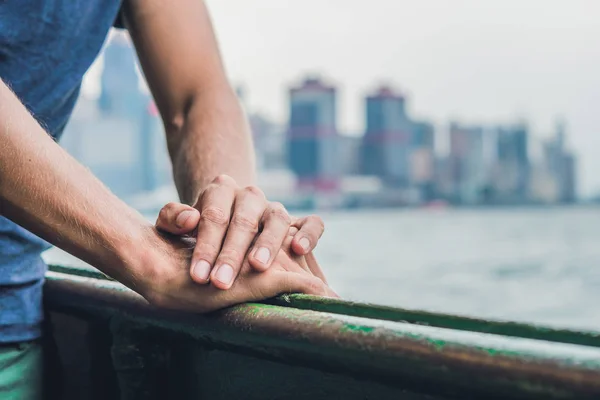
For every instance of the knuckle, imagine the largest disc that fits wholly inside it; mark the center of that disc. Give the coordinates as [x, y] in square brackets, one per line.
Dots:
[213, 187]
[277, 211]
[166, 211]
[215, 215]
[163, 215]
[223, 179]
[170, 206]
[253, 191]
[245, 223]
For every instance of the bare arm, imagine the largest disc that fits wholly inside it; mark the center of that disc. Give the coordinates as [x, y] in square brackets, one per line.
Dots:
[46, 191]
[207, 131]
[210, 144]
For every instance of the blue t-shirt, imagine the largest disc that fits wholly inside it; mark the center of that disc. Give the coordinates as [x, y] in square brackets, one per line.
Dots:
[46, 46]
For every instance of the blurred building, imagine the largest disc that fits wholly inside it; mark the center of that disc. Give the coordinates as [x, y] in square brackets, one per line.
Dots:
[511, 178]
[569, 185]
[388, 138]
[423, 163]
[443, 177]
[313, 136]
[397, 148]
[543, 185]
[560, 166]
[119, 135]
[468, 168]
[269, 142]
[349, 155]
[120, 94]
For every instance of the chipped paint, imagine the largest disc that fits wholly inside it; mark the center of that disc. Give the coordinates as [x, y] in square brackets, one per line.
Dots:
[422, 355]
[424, 318]
[358, 328]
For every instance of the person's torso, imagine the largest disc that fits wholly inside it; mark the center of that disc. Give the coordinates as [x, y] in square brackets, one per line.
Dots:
[46, 46]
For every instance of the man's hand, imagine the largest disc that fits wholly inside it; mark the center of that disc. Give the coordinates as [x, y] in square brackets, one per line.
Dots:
[208, 134]
[235, 224]
[166, 282]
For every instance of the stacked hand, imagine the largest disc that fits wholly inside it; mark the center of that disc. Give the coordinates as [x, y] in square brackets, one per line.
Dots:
[234, 225]
[239, 246]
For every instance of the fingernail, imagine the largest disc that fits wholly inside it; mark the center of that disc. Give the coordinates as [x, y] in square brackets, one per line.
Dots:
[263, 254]
[304, 243]
[225, 274]
[182, 218]
[202, 270]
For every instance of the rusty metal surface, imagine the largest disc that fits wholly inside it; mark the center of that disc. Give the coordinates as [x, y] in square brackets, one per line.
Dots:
[506, 328]
[419, 317]
[421, 359]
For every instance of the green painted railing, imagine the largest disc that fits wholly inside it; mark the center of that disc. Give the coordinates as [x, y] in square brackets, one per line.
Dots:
[299, 346]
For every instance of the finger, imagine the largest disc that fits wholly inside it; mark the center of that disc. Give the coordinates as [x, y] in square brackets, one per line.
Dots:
[303, 265]
[314, 267]
[249, 207]
[276, 223]
[310, 231]
[289, 260]
[215, 211]
[177, 218]
[284, 282]
[271, 283]
[306, 263]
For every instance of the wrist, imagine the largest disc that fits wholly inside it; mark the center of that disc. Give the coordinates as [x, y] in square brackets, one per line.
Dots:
[132, 266]
[152, 263]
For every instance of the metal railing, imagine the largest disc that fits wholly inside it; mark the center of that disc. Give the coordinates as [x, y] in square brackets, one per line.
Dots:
[349, 350]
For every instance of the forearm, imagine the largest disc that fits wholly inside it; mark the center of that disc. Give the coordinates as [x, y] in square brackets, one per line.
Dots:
[47, 192]
[213, 139]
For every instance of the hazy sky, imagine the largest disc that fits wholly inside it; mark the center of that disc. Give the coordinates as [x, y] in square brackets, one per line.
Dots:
[471, 60]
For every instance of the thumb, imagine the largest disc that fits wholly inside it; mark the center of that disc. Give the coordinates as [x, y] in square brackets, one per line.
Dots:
[178, 219]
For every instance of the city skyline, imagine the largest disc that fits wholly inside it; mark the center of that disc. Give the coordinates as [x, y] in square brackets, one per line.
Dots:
[476, 86]
[399, 151]
[395, 162]
[486, 63]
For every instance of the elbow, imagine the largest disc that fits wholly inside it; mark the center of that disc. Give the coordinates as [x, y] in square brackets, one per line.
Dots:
[219, 99]
[174, 118]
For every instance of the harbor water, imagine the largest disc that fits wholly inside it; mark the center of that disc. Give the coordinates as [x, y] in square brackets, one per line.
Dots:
[538, 265]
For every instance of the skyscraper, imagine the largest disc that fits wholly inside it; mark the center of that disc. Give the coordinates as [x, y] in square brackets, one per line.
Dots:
[313, 136]
[120, 93]
[269, 142]
[119, 136]
[121, 98]
[512, 170]
[468, 169]
[422, 165]
[561, 165]
[388, 138]
[569, 184]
